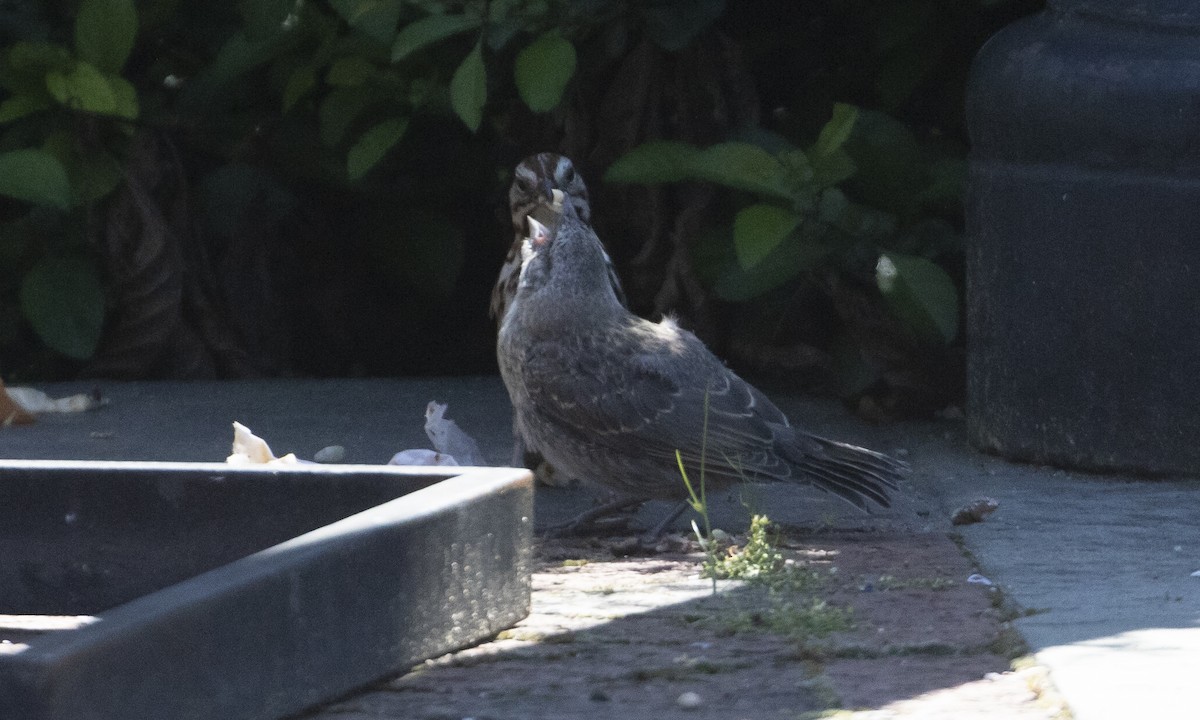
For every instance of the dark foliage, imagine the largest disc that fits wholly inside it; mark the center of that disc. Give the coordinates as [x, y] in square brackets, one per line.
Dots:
[293, 187]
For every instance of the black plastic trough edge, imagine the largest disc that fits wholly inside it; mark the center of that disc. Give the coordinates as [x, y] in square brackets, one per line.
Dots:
[309, 619]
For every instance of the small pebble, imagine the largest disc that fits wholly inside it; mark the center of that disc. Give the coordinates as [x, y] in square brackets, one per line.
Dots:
[977, 579]
[331, 454]
[689, 701]
[974, 512]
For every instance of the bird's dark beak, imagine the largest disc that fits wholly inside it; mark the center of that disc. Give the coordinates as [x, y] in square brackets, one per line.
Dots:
[547, 190]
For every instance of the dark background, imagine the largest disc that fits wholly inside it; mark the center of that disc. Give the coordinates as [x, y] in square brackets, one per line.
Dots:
[222, 236]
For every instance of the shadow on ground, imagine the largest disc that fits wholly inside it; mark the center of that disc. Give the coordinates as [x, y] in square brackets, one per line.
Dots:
[881, 621]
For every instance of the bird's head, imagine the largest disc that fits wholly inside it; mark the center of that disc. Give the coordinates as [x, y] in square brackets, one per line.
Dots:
[533, 189]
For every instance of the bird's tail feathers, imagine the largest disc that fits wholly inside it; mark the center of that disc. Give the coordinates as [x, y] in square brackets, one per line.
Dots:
[852, 473]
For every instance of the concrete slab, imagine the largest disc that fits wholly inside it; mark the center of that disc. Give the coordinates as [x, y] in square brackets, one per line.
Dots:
[1104, 563]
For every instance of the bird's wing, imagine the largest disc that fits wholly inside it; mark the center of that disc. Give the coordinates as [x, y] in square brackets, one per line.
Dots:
[655, 403]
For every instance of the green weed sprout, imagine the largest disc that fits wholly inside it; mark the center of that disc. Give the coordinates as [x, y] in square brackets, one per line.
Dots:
[699, 502]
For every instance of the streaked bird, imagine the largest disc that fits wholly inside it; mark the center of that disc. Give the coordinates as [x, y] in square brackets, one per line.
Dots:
[541, 184]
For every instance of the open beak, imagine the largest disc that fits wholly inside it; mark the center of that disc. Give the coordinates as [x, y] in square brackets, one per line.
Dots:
[538, 233]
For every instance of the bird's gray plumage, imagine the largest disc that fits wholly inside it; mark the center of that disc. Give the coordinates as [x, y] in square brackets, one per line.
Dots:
[609, 398]
[531, 196]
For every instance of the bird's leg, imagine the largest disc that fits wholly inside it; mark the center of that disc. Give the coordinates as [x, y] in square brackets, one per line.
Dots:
[522, 456]
[587, 518]
[657, 531]
[519, 451]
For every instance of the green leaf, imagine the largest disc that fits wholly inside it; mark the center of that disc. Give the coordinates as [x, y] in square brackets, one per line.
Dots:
[798, 252]
[34, 176]
[543, 69]
[374, 18]
[349, 71]
[126, 97]
[658, 161]
[890, 169]
[832, 206]
[429, 30]
[216, 87]
[759, 229]
[836, 131]
[61, 143]
[798, 168]
[104, 33]
[83, 88]
[468, 88]
[829, 170]
[742, 166]
[62, 298]
[95, 175]
[856, 220]
[25, 64]
[373, 146]
[921, 294]
[738, 165]
[947, 180]
[302, 80]
[264, 18]
[18, 106]
[86, 88]
[339, 109]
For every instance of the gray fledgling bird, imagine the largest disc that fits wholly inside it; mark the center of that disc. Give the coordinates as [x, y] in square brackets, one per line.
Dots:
[609, 398]
[542, 184]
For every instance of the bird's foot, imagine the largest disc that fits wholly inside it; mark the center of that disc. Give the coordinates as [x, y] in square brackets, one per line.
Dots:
[661, 528]
[647, 545]
[600, 520]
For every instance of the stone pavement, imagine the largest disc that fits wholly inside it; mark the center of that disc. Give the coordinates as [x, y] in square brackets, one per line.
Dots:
[1101, 565]
[644, 637]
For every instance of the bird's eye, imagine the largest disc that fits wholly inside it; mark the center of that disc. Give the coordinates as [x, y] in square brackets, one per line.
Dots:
[569, 175]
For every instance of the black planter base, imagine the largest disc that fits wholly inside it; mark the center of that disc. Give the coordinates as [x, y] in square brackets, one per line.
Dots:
[1083, 252]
